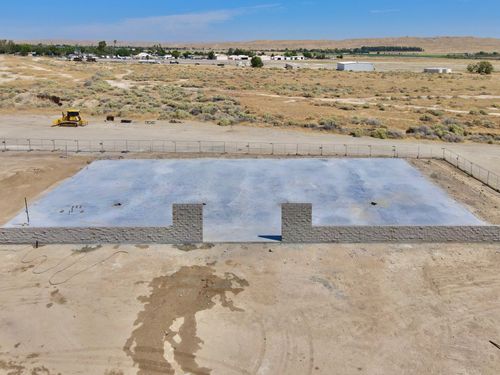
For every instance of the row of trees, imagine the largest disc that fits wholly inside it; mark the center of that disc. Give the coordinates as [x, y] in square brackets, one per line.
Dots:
[101, 49]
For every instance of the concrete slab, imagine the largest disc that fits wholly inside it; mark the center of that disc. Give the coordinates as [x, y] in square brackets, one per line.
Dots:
[243, 196]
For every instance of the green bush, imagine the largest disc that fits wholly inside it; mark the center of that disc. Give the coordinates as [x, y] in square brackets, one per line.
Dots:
[380, 133]
[256, 62]
[483, 67]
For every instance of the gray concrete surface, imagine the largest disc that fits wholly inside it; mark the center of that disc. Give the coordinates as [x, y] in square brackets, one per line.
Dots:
[244, 196]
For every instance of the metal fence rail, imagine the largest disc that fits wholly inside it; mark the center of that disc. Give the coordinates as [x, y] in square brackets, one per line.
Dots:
[216, 147]
[481, 174]
[252, 148]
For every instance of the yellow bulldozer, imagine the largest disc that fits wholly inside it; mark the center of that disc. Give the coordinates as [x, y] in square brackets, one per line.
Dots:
[70, 118]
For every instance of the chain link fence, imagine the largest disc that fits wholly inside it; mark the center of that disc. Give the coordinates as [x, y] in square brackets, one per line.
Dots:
[472, 169]
[66, 146]
[216, 147]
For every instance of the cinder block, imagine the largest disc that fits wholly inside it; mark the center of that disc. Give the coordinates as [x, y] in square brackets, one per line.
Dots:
[297, 228]
[187, 228]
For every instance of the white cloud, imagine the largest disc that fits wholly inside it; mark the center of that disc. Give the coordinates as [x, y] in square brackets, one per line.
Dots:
[177, 26]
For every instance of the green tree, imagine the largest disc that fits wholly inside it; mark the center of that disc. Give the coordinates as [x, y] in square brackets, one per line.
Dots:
[483, 67]
[101, 47]
[211, 55]
[256, 62]
[176, 54]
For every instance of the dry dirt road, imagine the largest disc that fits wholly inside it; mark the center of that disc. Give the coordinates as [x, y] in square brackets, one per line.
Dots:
[38, 126]
[250, 309]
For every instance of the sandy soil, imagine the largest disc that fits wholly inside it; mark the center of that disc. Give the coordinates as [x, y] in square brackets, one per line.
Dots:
[478, 198]
[28, 176]
[256, 309]
[397, 97]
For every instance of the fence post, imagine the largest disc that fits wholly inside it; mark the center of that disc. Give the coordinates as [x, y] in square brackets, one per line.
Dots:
[4, 144]
[29, 145]
[345, 154]
[77, 145]
[102, 146]
[297, 149]
[394, 151]
[321, 150]
[370, 148]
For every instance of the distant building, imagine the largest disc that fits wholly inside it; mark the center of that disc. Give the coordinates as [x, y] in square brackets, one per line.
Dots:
[438, 70]
[144, 56]
[239, 57]
[287, 58]
[221, 57]
[355, 66]
[265, 57]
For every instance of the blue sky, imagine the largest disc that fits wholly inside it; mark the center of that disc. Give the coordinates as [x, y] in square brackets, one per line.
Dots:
[224, 20]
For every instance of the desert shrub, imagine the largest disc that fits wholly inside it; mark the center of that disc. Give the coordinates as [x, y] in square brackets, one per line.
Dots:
[329, 124]
[346, 107]
[481, 138]
[422, 131]
[483, 67]
[225, 122]
[426, 118]
[435, 112]
[450, 133]
[452, 138]
[394, 134]
[180, 114]
[371, 121]
[450, 121]
[380, 133]
[357, 133]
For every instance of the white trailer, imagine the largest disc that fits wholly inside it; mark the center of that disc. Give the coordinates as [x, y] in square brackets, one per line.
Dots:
[438, 70]
[355, 66]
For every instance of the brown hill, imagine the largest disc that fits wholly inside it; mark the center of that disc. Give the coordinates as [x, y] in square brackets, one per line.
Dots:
[430, 44]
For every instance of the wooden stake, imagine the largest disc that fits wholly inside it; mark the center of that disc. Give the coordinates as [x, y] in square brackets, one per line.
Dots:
[27, 212]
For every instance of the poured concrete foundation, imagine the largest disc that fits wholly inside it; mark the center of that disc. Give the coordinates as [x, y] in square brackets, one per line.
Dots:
[243, 197]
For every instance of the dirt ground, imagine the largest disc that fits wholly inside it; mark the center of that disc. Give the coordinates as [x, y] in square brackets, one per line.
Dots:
[37, 126]
[478, 198]
[384, 104]
[246, 309]
[250, 309]
[28, 176]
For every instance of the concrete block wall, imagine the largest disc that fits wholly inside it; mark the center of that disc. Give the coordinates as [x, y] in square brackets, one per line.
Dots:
[187, 228]
[297, 228]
